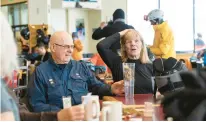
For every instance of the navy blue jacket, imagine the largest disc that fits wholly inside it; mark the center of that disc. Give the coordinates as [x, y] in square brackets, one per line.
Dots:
[51, 83]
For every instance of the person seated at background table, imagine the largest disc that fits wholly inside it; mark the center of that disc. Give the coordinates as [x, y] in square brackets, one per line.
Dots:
[201, 54]
[133, 50]
[106, 77]
[60, 76]
[11, 108]
[118, 24]
[33, 56]
[78, 47]
[97, 61]
[42, 51]
[39, 54]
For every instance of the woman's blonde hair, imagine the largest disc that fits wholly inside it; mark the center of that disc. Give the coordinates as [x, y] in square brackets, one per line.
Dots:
[8, 52]
[130, 35]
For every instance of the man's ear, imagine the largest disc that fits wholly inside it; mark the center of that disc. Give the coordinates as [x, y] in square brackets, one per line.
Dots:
[51, 47]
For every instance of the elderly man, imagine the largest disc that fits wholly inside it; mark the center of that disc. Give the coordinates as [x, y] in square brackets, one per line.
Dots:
[60, 76]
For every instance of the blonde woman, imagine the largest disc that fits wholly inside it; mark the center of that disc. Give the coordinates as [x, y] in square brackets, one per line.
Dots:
[133, 50]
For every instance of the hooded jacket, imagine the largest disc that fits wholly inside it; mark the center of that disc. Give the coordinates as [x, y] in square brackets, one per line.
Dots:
[163, 45]
[117, 25]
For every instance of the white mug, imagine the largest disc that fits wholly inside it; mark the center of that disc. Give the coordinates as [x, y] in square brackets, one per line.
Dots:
[92, 108]
[111, 111]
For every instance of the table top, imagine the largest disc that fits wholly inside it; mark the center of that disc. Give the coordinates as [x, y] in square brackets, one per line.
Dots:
[139, 99]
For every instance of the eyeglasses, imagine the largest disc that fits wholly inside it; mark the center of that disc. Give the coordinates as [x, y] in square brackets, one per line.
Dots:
[65, 46]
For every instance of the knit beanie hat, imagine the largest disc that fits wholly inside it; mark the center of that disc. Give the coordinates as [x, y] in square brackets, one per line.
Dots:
[118, 14]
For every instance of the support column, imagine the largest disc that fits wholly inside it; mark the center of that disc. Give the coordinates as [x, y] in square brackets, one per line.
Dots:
[39, 12]
[39, 18]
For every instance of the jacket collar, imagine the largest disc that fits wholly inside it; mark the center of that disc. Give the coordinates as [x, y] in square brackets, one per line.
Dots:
[119, 20]
[51, 60]
[160, 26]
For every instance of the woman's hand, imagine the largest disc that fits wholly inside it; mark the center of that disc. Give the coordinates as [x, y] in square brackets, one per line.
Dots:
[122, 33]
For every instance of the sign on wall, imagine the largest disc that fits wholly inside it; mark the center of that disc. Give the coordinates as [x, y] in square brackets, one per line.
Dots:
[80, 29]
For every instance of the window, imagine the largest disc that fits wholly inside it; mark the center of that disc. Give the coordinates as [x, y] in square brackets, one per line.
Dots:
[136, 10]
[24, 13]
[179, 14]
[17, 14]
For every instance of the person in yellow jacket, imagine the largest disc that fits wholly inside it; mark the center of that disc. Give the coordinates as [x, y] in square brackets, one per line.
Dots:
[78, 48]
[163, 45]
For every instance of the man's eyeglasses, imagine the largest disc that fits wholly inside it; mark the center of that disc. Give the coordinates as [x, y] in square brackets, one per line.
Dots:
[65, 46]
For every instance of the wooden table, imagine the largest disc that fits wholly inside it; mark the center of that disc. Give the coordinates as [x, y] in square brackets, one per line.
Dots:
[139, 99]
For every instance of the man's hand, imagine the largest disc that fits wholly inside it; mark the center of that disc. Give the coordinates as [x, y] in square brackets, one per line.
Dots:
[74, 113]
[118, 88]
[7, 116]
[102, 25]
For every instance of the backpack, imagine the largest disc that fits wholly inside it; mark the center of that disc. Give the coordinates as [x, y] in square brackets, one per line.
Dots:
[188, 104]
[166, 75]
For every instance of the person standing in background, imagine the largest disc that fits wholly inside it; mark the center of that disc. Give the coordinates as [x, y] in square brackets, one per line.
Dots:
[78, 47]
[199, 43]
[163, 45]
[118, 24]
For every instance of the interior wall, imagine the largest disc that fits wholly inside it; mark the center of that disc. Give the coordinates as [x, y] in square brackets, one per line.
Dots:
[94, 22]
[73, 15]
[65, 19]
[92, 19]
[39, 12]
[5, 11]
[58, 20]
[109, 6]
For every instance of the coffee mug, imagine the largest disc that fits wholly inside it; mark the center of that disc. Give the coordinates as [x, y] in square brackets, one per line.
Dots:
[92, 108]
[111, 111]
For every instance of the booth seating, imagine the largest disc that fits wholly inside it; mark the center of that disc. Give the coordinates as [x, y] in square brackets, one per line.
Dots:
[186, 58]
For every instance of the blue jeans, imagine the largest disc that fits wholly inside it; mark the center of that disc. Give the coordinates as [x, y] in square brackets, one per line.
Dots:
[199, 67]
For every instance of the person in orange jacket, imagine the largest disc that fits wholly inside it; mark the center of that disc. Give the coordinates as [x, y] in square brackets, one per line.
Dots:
[78, 47]
[97, 61]
[163, 45]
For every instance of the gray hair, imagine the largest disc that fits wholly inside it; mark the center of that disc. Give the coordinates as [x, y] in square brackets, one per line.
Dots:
[8, 53]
